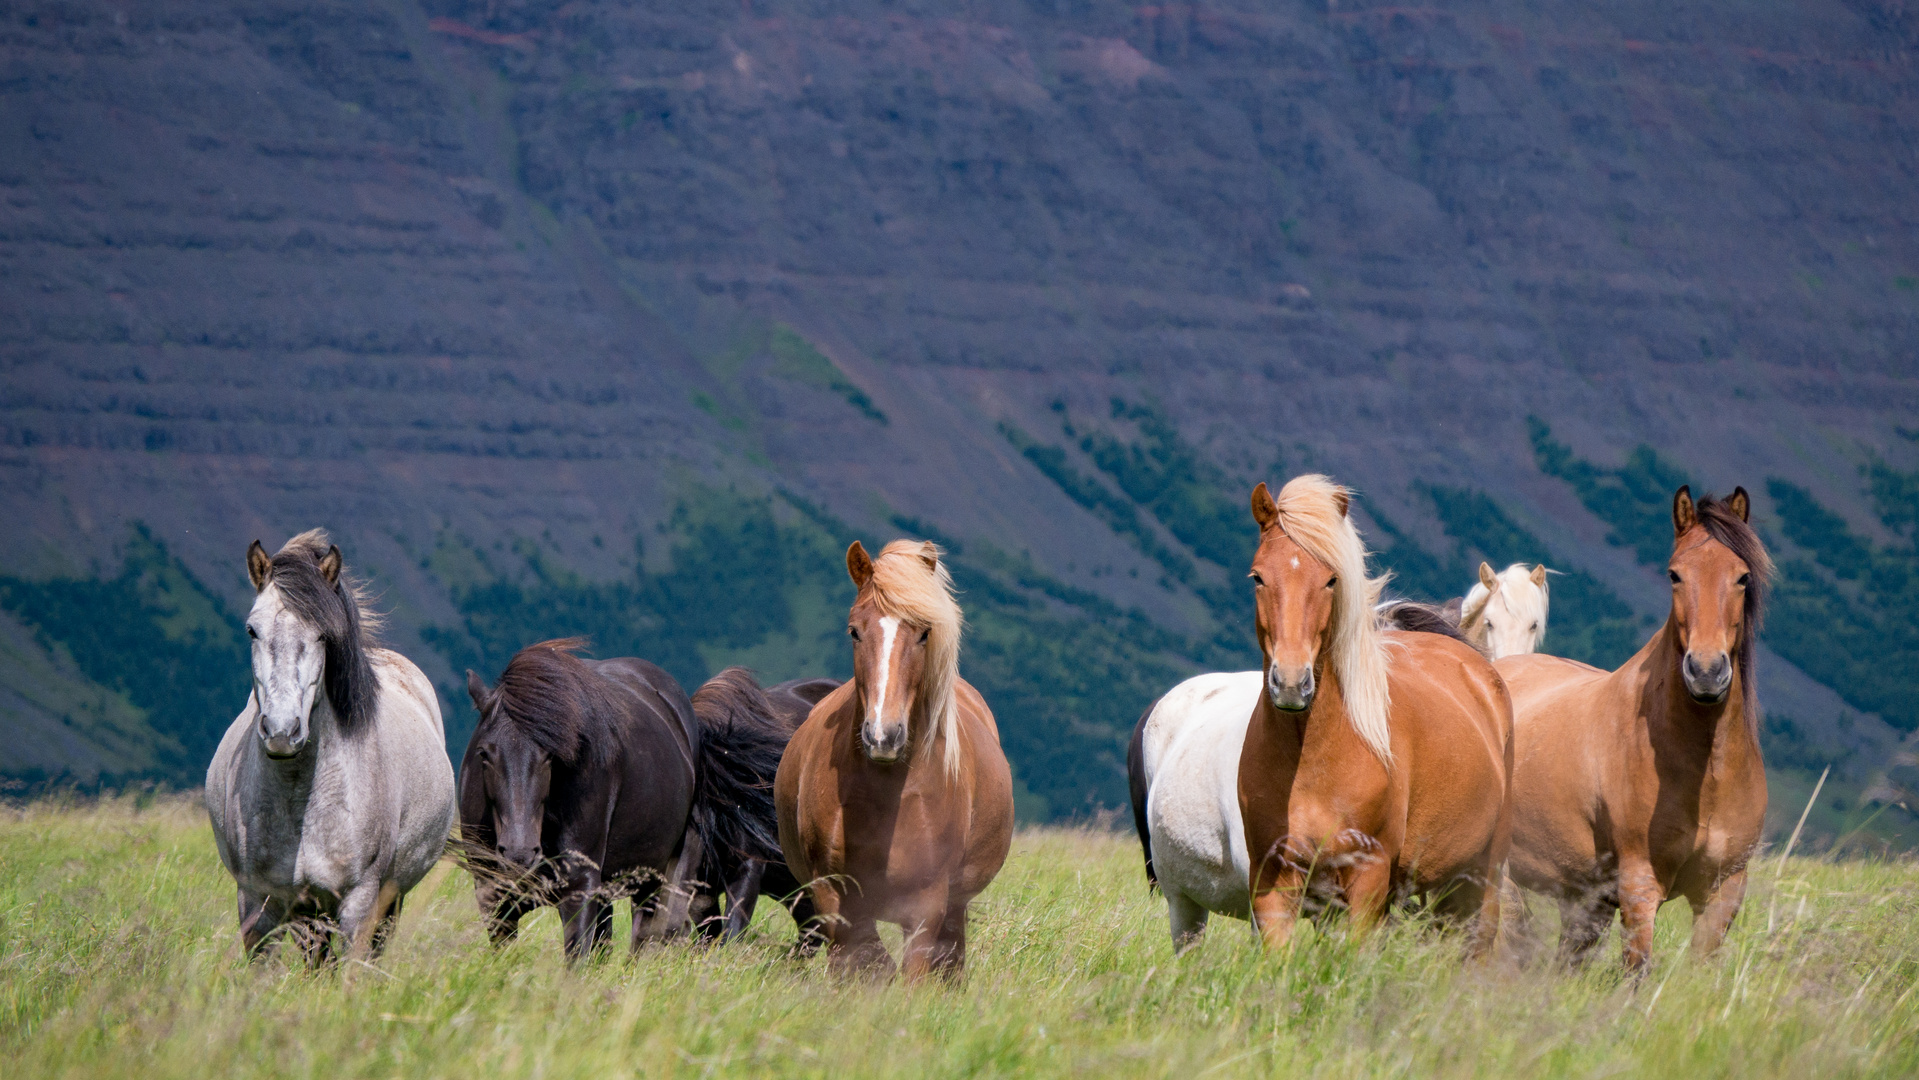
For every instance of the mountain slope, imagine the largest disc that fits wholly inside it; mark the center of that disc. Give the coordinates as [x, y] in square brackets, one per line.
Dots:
[470, 283]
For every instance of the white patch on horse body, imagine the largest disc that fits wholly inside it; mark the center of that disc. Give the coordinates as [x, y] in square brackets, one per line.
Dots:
[1295, 562]
[1190, 753]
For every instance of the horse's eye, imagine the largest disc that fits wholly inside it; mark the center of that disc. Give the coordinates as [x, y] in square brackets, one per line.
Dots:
[252, 633]
[1745, 580]
[853, 632]
[924, 634]
[1674, 575]
[1258, 582]
[1332, 581]
[1535, 628]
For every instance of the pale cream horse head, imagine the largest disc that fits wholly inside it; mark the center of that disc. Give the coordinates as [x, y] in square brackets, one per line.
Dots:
[1505, 613]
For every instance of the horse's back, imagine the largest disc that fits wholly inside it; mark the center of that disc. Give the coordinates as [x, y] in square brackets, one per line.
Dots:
[1190, 746]
[1452, 724]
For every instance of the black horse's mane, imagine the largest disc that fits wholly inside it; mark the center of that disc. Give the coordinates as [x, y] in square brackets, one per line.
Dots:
[1724, 525]
[1418, 618]
[347, 633]
[548, 695]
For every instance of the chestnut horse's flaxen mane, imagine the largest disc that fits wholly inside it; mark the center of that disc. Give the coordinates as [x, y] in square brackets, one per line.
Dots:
[907, 587]
[1312, 513]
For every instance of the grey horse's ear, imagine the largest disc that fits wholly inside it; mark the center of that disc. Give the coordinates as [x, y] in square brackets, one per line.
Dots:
[1488, 578]
[330, 565]
[259, 567]
[1684, 514]
[1539, 575]
[476, 689]
[1741, 504]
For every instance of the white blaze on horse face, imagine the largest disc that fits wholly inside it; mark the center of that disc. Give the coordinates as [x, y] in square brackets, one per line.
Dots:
[288, 662]
[884, 736]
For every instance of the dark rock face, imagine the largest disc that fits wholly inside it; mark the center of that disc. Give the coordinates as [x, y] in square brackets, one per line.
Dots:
[502, 267]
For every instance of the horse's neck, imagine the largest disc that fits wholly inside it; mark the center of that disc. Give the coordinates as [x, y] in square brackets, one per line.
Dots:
[1719, 734]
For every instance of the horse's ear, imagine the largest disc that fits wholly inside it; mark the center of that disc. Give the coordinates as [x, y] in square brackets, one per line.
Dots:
[1488, 578]
[476, 689]
[930, 554]
[1342, 499]
[1539, 575]
[259, 567]
[1684, 514]
[859, 565]
[1265, 510]
[330, 565]
[1740, 503]
[1454, 610]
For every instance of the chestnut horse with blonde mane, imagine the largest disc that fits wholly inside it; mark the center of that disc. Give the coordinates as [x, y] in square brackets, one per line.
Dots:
[1377, 765]
[1638, 785]
[895, 801]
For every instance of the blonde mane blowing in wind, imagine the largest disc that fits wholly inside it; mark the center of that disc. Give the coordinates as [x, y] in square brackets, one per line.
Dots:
[1312, 510]
[910, 583]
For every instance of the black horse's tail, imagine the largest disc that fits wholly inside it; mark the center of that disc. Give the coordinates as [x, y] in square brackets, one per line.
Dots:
[741, 740]
[1136, 787]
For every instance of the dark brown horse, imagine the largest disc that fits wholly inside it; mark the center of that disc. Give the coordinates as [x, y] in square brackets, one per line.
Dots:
[1638, 785]
[895, 801]
[589, 780]
[1376, 764]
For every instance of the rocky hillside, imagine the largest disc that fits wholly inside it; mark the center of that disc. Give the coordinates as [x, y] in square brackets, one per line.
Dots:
[624, 318]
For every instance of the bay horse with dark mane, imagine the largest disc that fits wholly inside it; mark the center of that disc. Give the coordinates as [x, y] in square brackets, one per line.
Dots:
[1645, 783]
[1376, 765]
[895, 800]
[588, 780]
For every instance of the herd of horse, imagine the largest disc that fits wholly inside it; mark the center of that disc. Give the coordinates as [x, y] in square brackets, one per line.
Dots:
[1387, 755]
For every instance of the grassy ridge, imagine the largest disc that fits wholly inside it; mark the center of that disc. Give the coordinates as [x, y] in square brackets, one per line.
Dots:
[117, 957]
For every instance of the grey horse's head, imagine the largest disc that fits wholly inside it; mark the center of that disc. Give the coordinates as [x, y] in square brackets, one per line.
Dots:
[305, 632]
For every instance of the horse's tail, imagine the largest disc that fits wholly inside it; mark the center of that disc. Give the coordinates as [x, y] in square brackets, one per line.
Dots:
[741, 740]
[1136, 787]
[1424, 619]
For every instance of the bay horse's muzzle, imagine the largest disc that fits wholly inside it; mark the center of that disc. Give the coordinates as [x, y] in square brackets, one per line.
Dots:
[1707, 681]
[1292, 693]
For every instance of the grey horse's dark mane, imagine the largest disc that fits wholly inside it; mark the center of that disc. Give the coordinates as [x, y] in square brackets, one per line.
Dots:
[550, 697]
[1725, 526]
[347, 632]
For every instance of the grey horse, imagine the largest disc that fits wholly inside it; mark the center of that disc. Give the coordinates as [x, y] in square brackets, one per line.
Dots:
[331, 795]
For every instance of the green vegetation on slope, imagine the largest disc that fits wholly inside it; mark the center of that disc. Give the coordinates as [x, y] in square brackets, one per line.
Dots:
[1844, 609]
[118, 953]
[155, 635]
[1588, 621]
[1635, 499]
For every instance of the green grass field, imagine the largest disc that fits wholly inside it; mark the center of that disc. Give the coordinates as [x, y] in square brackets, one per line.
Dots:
[118, 958]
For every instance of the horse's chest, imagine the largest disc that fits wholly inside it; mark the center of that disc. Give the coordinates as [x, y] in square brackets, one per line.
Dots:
[308, 843]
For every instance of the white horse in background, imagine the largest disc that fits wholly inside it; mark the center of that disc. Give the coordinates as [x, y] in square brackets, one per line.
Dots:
[332, 794]
[1505, 613]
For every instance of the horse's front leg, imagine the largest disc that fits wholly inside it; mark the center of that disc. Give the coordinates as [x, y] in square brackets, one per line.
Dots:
[1714, 911]
[742, 896]
[1278, 888]
[1639, 897]
[361, 910]
[672, 910]
[853, 945]
[258, 920]
[924, 924]
[1365, 876]
[585, 916]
